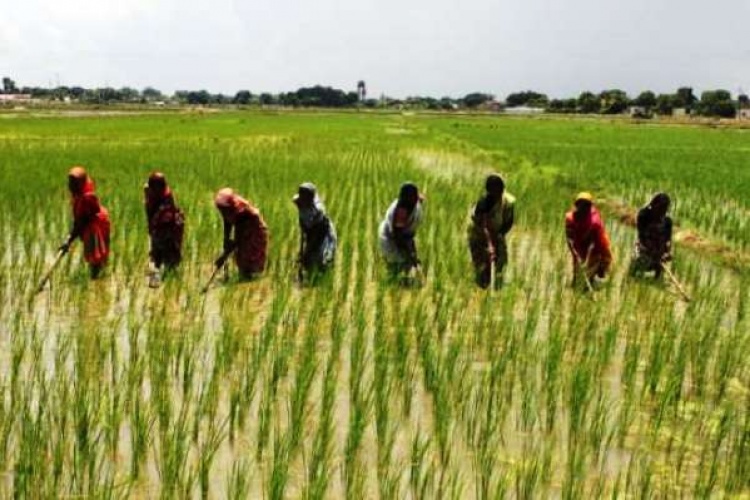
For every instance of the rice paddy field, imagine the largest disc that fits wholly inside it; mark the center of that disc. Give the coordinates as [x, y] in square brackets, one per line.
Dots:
[357, 386]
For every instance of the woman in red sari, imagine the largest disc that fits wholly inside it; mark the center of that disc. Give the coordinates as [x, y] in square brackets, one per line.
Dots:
[90, 221]
[250, 243]
[587, 238]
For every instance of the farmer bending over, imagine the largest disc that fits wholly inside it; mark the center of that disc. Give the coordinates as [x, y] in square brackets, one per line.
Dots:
[491, 220]
[166, 223]
[317, 233]
[587, 239]
[250, 242]
[654, 245]
[90, 221]
[398, 229]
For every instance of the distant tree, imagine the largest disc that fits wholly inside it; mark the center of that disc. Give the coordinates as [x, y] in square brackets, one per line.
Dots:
[588, 103]
[361, 90]
[476, 99]
[219, 99]
[717, 103]
[447, 103]
[60, 93]
[665, 104]
[37, 92]
[286, 99]
[151, 94]
[527, 98]
[645, 99]
[266, 99]
[181, 96]
[325, 97]
[432, 104]
[242, 97]
[128, 94]
[371, 103]
[570, 104]
[77, 92]
[108, 95]
[562, 106]
[9, 86]
[419, 102]
[613, 102]
[201, 97]
[554, 106]
[90, 96]
[744, 101]
[351, 98]
[685, 98]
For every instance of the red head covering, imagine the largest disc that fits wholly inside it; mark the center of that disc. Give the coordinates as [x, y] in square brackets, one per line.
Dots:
[157, 191]
[231, 204]
[83, 183]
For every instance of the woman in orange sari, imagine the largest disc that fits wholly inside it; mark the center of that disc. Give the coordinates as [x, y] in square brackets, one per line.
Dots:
[250, 243]
[90, 221]
[587, 238]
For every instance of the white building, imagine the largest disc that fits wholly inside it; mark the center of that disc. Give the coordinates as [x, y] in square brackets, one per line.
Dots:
[15, 98]
[524, 110]
[680, 112]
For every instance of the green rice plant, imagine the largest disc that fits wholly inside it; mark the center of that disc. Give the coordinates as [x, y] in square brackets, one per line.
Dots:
[238, 486]
[421, 473]
[350, 384]
[207, 450]
[319, 468]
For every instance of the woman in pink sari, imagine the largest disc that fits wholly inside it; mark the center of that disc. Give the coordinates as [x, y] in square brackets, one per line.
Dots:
[587, 238]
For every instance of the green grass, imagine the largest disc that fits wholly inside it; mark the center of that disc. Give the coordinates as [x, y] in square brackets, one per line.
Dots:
[358, 387]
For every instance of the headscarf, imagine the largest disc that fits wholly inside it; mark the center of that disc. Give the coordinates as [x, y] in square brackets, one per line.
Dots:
[314, 214]
[407, 190]
[306, 187]
[494, 179]
[157, 183]
[584, 196]
[576, 222]
[225, 198]
[660, 198]
[157, 190]
[236, 205]
[85, 183]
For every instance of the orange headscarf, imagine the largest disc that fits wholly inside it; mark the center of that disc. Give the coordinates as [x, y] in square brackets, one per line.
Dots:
[84, 182]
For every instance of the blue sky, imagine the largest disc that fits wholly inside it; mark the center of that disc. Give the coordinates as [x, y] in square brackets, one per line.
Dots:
[399, 47]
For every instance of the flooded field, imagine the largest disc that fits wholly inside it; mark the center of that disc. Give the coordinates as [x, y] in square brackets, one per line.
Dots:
[358, 386]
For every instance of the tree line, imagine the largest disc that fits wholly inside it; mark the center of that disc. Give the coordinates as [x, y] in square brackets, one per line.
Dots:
[315, 96]
[718, 103]
[715, 103]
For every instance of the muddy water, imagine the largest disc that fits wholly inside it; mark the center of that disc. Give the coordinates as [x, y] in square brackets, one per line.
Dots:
[515, 325]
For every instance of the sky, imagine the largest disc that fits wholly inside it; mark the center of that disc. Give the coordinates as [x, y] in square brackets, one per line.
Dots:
[399, 47]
